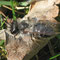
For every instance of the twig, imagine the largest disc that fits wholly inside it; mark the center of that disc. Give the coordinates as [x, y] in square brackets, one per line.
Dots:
[2, 14]
[11, 9]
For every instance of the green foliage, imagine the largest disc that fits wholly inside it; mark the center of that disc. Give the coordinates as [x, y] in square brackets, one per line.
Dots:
[2, 50]
[2, 22]
[13, 4]
[3, 53]
[8, 3]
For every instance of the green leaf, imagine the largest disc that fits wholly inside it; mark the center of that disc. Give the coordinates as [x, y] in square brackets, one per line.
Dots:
[2, 42]
[23, 3]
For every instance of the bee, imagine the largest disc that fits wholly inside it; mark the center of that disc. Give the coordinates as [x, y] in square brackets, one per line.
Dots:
[44, 29]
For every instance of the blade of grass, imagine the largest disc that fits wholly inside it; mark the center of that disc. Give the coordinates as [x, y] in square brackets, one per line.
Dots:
[5, 3]
[1, 22]
[13, 10]
[54, 57]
